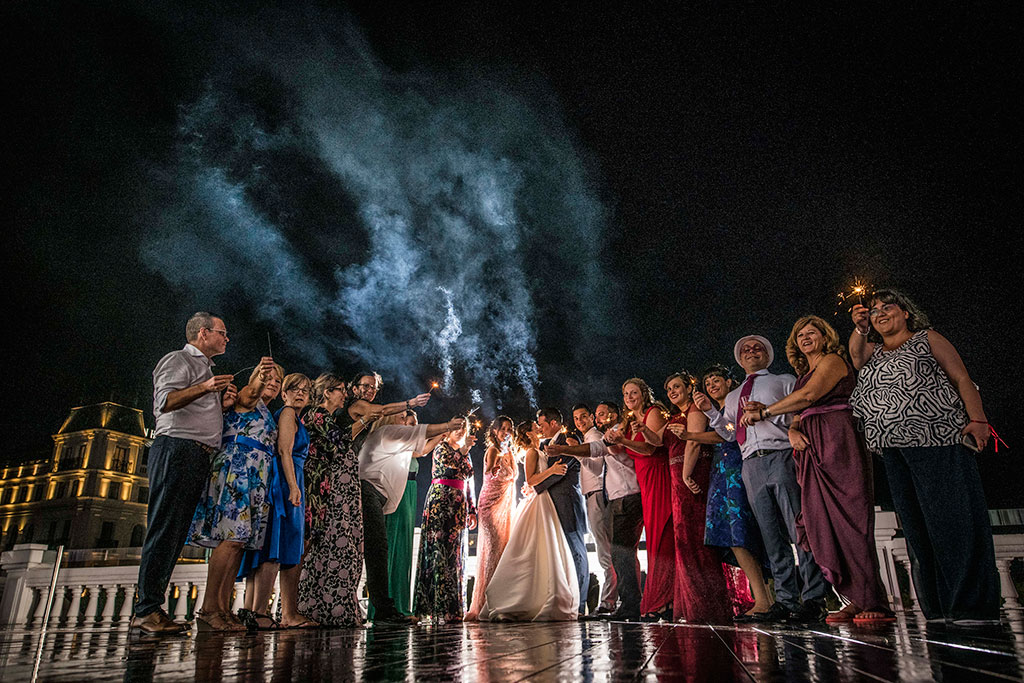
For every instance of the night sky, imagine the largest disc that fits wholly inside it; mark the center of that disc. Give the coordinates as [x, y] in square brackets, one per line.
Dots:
[672, 178]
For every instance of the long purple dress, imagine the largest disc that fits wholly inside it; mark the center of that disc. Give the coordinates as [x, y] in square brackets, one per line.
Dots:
[837, 519]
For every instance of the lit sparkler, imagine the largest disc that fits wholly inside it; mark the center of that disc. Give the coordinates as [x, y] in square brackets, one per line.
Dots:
[856, 294]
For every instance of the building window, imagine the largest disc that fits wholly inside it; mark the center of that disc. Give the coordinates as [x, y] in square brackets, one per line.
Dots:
[138, 535]
[120, 461]
[114, 490]
[61, 490]
[143, 494]
[22, 494]
[142, 465]
[6, 497]
[9, 495]
[37, 492]
[106, 539]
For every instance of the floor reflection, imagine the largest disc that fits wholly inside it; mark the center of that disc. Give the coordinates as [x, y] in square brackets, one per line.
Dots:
[910, 650]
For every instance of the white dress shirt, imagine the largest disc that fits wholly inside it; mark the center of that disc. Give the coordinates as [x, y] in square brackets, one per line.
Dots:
[591, 469]
[768, 435]
[620, 479]
[201, 420]
[384, 460]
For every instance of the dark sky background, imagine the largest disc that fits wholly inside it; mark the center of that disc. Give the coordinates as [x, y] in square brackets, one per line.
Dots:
[681, 177]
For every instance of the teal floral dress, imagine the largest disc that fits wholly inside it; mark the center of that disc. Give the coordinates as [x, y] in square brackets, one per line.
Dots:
[236, 504]
[439, 575]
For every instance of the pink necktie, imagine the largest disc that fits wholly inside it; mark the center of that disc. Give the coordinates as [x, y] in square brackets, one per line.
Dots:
[741, 431]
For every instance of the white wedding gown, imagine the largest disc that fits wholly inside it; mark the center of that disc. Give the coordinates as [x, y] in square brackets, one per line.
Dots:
[535, 579]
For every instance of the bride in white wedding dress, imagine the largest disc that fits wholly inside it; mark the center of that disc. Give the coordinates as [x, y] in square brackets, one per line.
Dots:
[535, 579]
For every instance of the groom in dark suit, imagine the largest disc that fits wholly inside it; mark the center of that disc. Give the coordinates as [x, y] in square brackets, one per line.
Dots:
[565, 494]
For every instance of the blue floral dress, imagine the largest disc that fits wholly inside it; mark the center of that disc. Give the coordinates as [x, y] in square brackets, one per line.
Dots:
[236, 504]
[730, 521]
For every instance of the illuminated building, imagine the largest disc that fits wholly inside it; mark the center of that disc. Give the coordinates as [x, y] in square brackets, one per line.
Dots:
[91, 493]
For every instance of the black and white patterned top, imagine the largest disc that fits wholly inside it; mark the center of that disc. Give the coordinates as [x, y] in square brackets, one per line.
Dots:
[904, 398]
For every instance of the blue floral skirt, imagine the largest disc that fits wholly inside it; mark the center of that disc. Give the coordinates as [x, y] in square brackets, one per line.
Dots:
[235, 506]
[730, 521]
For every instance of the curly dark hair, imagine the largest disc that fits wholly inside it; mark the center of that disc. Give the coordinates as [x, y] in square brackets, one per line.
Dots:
[916, 318]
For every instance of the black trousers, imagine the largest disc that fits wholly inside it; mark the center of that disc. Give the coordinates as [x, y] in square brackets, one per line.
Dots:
[179, 470]
[626, 517]
[937, 493]
[375, 550]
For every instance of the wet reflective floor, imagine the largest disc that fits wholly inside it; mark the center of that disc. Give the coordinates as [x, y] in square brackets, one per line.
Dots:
[587, 651]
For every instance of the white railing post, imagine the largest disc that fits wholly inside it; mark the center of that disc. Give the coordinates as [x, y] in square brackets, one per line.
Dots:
[239, 601]
[107, 615]
[58, 604]
[129, 602]
[92, 602]
[200, 596]
[76, 605]
[181, 605]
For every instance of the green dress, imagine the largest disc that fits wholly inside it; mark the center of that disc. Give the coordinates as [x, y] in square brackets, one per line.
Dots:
[400, 524]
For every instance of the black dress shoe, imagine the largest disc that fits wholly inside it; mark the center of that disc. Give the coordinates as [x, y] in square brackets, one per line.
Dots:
[811, 612]
[777, 613]
[620, 615]
[394, 619]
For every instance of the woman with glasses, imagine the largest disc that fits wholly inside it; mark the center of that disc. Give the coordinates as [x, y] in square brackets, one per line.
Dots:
[921, 410]
[282, 550]
[232, 516]
[333, 563]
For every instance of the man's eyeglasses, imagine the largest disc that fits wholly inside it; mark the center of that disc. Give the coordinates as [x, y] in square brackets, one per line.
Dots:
[223, 333]
[753, 348]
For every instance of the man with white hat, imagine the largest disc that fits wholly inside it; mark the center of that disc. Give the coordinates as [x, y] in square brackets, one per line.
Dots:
[769, 475]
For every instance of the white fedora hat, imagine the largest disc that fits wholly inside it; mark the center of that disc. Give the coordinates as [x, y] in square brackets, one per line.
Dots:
[754, 337]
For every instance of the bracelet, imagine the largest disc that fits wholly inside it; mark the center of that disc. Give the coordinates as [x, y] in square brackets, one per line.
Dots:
[863, 334]
[765, 412]
[407, 405]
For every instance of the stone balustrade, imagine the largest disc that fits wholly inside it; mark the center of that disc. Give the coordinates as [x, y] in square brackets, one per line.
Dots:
[89, 595]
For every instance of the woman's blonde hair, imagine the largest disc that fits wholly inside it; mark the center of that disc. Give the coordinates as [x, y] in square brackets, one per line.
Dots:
[391, 419]
[832, 344]
[647, 400]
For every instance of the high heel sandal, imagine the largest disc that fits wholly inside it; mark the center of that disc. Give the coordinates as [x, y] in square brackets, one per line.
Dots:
[213, 622]
[251, 619]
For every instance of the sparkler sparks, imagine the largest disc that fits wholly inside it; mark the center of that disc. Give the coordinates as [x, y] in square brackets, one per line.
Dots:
[856, 294]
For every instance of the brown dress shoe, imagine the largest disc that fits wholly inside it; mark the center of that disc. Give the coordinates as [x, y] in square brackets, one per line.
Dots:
[157, 623]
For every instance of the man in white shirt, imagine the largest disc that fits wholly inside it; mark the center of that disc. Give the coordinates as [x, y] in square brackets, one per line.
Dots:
[624, 511]
[592, 486]
[188, 408]
[769, 475]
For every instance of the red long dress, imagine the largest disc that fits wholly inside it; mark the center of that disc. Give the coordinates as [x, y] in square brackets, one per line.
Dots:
[701, 594]
[652, 474]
